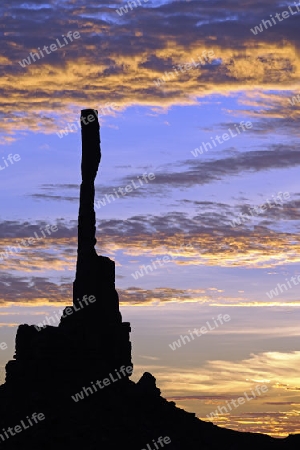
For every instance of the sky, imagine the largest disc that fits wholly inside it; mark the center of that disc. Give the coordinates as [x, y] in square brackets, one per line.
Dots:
[199, 106]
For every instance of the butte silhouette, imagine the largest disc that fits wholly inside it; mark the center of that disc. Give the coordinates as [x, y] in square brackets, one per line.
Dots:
[69, 386]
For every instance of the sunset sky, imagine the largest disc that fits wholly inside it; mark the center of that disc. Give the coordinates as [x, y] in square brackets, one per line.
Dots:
[219, 76]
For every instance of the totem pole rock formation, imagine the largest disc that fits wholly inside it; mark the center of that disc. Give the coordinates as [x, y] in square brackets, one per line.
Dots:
[91, 338]
[55, 367]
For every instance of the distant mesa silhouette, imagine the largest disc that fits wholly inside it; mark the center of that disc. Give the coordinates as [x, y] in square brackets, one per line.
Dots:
[69, 386]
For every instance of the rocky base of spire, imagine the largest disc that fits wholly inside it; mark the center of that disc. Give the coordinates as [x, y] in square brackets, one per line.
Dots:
[132, 416]
[90, 341]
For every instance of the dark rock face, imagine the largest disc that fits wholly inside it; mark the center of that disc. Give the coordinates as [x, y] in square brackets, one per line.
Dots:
[76, 375]
[91, 338]
[95, 275]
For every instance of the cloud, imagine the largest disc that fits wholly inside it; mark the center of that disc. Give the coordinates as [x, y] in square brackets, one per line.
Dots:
[38, 290]
[147, 42]
[34, 290]
[212, 398]
[193, 173]
[219, 381]
[206, 238]
[230, 378]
